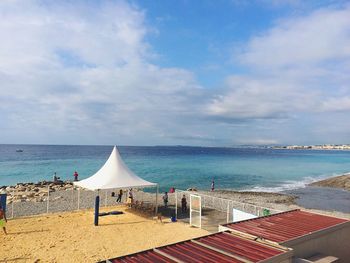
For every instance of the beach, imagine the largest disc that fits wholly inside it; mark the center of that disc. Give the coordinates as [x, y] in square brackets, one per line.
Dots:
[72, 237]
[68, 235]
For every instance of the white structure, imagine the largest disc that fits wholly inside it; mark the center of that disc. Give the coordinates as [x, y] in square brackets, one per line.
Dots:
[239, 215]
[114, 174]
[195, 210]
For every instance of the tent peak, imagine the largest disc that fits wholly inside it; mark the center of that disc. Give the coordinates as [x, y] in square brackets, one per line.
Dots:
[113, 174]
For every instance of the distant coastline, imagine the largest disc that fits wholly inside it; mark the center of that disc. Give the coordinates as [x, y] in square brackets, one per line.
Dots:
[314, 147]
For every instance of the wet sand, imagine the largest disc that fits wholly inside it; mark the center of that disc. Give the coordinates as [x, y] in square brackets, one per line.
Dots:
[323, 198]
[342, 182]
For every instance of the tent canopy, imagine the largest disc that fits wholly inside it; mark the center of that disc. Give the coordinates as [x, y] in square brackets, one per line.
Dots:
[113, 174]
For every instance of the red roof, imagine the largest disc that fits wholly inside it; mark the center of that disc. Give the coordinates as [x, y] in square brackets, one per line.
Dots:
[285, 226]
[144, 256]
[192, 252]
[220, 247]
[244, 248]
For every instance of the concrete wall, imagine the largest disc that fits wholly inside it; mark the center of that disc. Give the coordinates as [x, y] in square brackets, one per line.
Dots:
[334, 241]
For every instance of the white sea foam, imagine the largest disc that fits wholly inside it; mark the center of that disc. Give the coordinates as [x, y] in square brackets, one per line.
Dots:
[291, 184]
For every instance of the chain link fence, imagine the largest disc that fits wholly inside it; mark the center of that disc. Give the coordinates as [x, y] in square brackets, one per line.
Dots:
[51, 200]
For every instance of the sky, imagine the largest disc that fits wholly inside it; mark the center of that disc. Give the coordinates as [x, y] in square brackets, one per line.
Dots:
[184, 72]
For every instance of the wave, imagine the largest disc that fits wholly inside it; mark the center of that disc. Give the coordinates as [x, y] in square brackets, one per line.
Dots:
[291, 184]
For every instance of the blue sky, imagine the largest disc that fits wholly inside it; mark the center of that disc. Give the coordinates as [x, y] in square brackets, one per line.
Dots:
[216, 73]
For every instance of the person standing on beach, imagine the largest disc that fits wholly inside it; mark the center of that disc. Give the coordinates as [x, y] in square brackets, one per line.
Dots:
[131, 196]
[75, 176]
[212, 185]
[183, 204]
[165, 199]
[3, 220]
[119, 199]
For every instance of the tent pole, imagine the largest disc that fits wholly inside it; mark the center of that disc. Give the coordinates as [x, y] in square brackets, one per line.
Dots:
[157, 200]
[97, 207]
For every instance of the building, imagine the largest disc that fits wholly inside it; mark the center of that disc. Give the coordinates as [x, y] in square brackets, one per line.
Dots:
[308, 234]
[293, 236]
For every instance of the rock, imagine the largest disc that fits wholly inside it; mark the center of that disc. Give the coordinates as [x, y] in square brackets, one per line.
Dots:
[30, 195]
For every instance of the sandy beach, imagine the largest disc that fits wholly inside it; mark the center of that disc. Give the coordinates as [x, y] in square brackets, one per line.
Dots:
[72, 237]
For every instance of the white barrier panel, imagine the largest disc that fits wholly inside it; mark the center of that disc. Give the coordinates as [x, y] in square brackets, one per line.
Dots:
[195, 211]
[239, 215]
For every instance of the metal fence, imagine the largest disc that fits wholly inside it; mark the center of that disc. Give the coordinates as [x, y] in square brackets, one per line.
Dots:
[51, 200]
[223, 206]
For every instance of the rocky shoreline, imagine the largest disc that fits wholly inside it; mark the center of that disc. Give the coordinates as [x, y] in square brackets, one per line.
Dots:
[36, 192]
[32, 198]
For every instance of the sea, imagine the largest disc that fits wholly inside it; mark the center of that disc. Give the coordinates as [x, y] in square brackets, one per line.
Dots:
[182, 167]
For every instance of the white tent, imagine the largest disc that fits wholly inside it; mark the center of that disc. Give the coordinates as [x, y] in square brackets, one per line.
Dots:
[114, 174]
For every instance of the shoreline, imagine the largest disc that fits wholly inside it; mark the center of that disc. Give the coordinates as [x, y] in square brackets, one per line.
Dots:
[31, 198]
[339, 181]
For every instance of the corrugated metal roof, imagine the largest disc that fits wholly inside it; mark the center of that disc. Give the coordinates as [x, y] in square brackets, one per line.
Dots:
[220, 247]
[144, 256]
[191, 252]
[244, 248]
[285, 226]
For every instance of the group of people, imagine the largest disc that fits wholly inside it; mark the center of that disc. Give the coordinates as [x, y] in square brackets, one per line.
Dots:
[183, 202]
[56, 179]
[120, 195]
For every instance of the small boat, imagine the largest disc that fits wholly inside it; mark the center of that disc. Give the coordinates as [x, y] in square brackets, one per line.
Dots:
[19, 150]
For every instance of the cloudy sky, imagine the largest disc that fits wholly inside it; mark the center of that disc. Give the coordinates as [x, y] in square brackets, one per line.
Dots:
[215, 73]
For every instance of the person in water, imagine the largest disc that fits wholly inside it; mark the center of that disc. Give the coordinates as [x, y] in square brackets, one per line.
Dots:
[212, 185]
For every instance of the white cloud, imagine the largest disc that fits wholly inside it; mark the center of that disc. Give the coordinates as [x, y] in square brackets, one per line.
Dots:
[81, 73]
[258, 141]
[301, 65]
[336, 104]
[72, 72]
[320, 37]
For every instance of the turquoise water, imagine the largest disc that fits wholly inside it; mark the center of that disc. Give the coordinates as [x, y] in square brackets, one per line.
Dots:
[180, 167]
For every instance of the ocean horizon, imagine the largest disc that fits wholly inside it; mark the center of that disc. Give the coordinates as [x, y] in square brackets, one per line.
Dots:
[251, 169]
